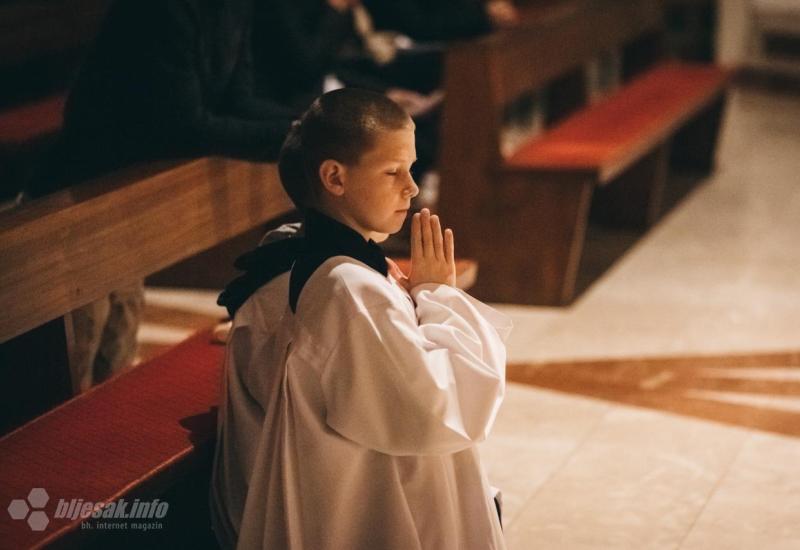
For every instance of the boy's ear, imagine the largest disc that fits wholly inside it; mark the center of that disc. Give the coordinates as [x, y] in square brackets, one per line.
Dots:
[332, 176]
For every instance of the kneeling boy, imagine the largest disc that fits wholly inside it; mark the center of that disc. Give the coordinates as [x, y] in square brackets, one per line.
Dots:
[381, 385]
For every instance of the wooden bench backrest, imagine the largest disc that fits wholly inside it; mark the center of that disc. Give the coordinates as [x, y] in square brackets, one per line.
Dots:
[70, 248]
[528, 58]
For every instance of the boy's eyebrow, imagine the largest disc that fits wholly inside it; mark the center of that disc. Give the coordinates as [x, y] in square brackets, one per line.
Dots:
[401, 160]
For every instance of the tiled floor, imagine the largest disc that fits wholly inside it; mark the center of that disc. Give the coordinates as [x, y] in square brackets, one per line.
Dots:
[661, 410]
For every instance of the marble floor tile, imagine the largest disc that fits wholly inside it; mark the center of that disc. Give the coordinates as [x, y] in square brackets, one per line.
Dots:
[638, 481]
[536, 431]
[757, 504]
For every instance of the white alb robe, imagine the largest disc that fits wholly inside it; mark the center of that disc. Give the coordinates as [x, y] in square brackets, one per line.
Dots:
[373, 402]
[252, 371]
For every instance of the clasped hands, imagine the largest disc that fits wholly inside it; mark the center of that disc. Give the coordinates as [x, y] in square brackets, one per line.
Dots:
[432, 253]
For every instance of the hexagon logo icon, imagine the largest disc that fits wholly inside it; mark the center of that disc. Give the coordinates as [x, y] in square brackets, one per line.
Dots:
[38, 497]
[18, 508]
[36, 501]
[38, 521]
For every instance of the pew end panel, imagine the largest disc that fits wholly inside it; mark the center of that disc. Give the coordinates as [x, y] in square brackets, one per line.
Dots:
[531, 237]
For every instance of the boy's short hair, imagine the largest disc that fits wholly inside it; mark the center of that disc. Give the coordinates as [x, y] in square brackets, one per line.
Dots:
[340, 125]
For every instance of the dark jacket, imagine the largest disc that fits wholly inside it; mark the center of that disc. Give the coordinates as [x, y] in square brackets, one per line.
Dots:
[166, 78]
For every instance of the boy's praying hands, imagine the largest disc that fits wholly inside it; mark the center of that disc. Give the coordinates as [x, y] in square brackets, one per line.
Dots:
[432, 253]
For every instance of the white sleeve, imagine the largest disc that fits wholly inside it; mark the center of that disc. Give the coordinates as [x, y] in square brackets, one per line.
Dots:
[406, 385]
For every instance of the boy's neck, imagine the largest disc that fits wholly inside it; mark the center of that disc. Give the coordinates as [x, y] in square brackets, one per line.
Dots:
[337, 217]
[344, 219]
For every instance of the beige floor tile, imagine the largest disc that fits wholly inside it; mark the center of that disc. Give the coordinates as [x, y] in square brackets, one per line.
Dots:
[535, 433]
[757, 505]
[639, 481]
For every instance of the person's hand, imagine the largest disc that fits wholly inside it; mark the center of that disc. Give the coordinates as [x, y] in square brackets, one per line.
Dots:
[396, 272]
[432, 252]
[342, 5]
[502, 13]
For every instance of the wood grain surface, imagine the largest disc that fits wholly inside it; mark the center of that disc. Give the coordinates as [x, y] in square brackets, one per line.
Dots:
[73, 247]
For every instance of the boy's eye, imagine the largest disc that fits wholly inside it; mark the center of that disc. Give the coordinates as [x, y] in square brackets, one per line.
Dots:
[391, 173]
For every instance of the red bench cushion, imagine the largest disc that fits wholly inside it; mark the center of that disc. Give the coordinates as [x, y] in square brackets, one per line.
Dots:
[606, 137]
[107, 442]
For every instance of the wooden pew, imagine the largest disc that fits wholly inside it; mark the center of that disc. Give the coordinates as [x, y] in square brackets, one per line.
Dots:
[148, 430]
[523, 216]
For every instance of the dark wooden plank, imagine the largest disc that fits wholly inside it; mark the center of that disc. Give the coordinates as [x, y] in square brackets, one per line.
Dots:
[76, 246]
[694, 146]
[534, 54]
[531, 238]
[634, 199]
[469, 147]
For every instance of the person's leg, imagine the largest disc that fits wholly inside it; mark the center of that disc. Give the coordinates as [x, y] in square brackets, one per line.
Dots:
[87, 325]
[118, 344]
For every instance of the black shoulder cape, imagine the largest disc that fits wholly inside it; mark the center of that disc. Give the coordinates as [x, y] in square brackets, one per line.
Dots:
[323, 238]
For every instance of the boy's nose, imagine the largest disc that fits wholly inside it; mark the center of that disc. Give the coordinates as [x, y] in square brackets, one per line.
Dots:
[412, 190]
